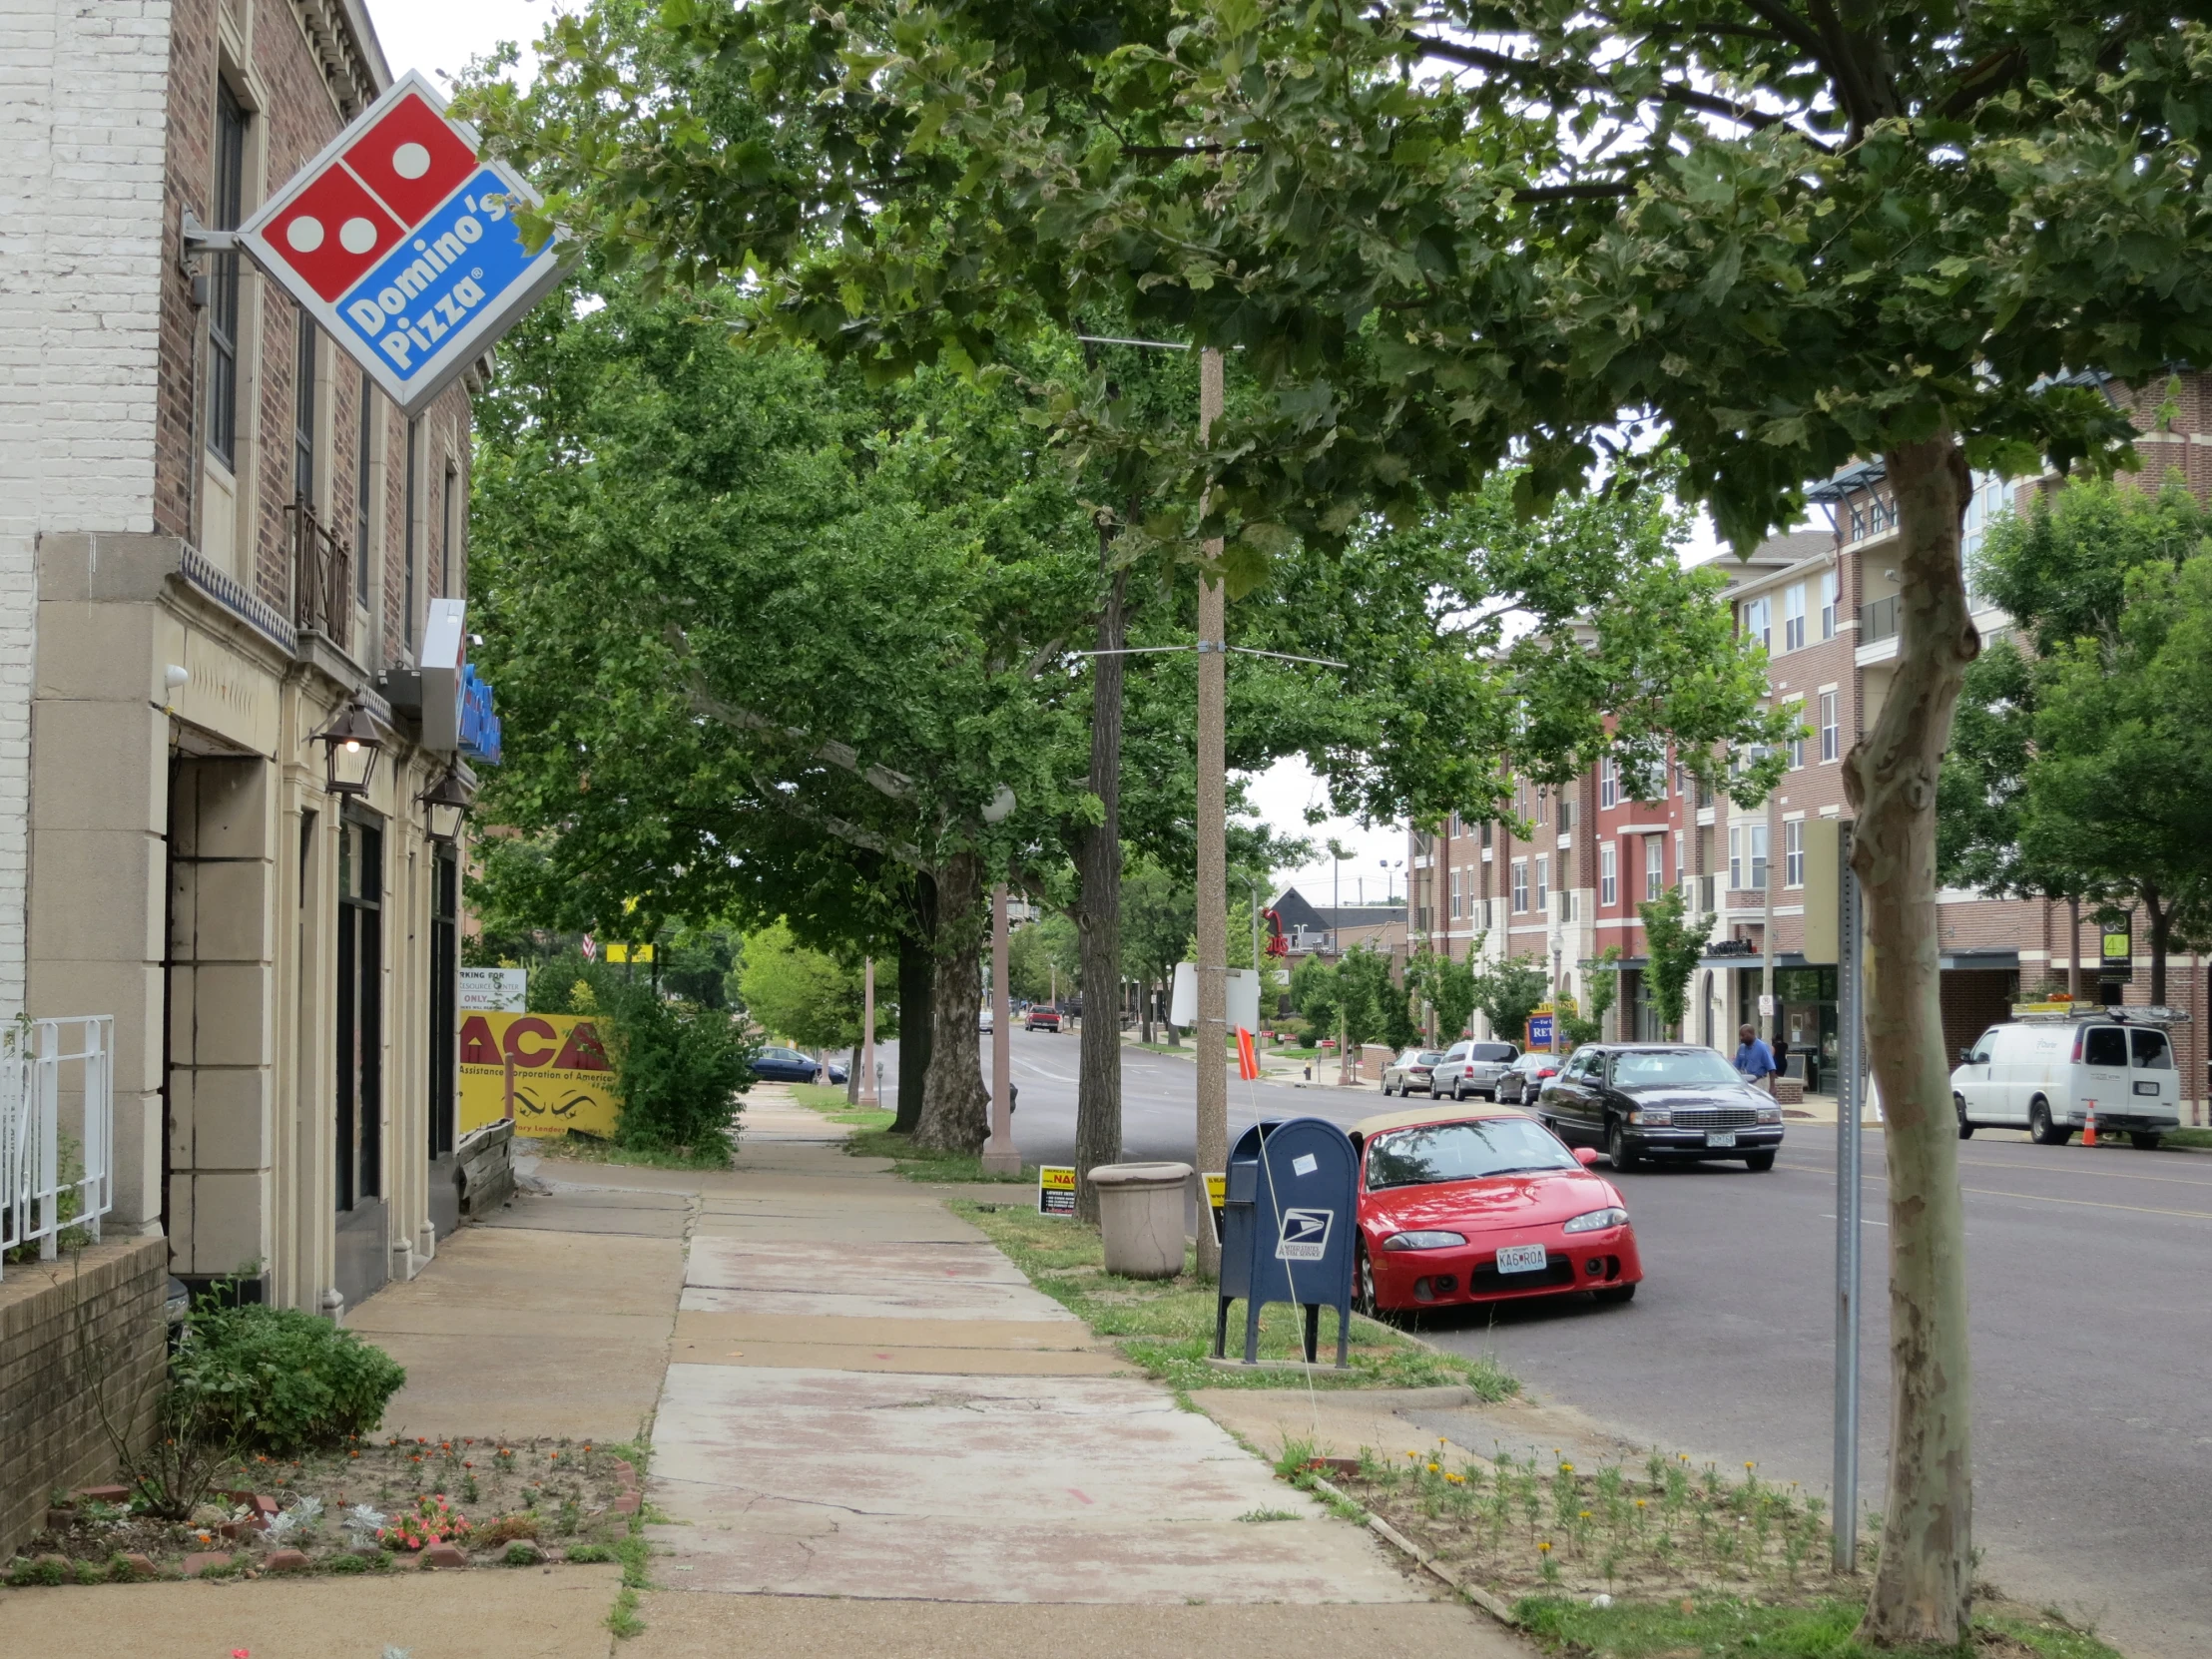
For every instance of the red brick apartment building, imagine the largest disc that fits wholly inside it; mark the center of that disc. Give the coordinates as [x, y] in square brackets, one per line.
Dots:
[1824, 602]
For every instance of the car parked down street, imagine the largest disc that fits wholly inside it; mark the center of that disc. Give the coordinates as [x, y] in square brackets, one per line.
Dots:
[1520, 1082]
[1669, 1101]
[1471, 1067]
[1459, 1207]
[788, 1065]
[1408, 1074]
[1040, 1016]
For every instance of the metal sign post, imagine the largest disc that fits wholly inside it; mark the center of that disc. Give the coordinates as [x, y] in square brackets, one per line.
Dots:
[1849, 1093]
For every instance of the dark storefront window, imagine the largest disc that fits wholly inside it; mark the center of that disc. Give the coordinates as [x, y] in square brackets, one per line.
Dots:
[1806, 1044]
[361, 1095]
[229, 206]
[302, 415]
[445, 996]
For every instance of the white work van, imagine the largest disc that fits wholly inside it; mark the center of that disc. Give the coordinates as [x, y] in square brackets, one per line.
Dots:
[2045, 1076]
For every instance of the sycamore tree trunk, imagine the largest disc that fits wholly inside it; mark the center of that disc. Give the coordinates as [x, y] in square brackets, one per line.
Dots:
[2161, 916]
[917, 970]
[1098, 913]
[1922, 1585]
[954, 1103]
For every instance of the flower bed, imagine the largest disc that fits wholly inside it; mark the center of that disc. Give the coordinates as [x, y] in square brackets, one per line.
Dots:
[374, 1506]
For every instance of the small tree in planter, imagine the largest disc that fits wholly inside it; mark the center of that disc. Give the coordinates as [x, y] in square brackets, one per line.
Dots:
[1673, 942]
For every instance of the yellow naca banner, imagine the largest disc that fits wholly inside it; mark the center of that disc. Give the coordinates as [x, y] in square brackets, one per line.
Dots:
[549, 1073]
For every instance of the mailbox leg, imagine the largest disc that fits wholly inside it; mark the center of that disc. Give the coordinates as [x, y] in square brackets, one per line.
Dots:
[1221, 1324]
[1252, 1330]
[1313, 1331]
[1344, 1334]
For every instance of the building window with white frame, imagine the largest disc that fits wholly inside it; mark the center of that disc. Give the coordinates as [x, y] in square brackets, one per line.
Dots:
[1681, 867]
[1830, 603]
[1520, 887]
[1543, 884]
[1608, 875]
[1793, 853]
[1831, 734]
[1455, 875]
[1756, 835]
[1608, 781]
[1655, 867]
[227, 209]
[1735, 857]
[1543, 805]
[1758, 621]
[1793, 617]
[1795, 708]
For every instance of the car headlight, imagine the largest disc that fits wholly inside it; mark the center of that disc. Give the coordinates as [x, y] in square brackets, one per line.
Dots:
[1658, 1116]
[1424, 1241]
[1770, 1114]
[1596, 1220]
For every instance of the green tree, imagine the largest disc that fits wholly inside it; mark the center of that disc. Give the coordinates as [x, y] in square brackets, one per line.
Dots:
[1370, 1004]
[1449, 234]
[1158, 912]
[1603, 987]
[1038, 951]
[1447, 986]
[807, 997]
[1507, 992]
[1314, 993]
[1673, 942]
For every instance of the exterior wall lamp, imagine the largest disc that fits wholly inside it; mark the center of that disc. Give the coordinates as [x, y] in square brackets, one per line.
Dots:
[446, 803]
[350, 742]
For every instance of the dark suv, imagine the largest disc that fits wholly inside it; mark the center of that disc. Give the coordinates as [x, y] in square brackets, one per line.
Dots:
[1643, 1101]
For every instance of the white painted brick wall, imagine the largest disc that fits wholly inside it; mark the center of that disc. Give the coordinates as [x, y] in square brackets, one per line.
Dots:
[83, 117]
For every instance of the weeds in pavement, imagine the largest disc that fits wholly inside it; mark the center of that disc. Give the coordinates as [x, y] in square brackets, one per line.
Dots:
[578, 1148]
[1820, 1628]
[1166, 1327]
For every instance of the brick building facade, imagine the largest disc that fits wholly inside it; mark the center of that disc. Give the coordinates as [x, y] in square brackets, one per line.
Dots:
[1824, 602]
[214, 539]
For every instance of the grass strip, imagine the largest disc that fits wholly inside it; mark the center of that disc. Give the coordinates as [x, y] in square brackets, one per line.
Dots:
[872, 1137]
[1821, 1631]
[1166, 1326]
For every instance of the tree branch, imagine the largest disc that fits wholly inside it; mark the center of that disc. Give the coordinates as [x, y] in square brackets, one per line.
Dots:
[1573, 192]
[788, 801]
[842, 756]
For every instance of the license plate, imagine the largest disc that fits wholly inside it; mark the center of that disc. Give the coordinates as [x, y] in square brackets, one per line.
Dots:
[1725, 1138]
[1521, 1259]
[2146, 1088]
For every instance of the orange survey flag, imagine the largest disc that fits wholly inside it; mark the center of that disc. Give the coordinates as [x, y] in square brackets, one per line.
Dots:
[1248, 1061]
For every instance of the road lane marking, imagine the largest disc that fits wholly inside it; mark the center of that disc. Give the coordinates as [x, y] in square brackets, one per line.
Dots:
[1863, 1221]
[2060, 1169]
[2037, 1198]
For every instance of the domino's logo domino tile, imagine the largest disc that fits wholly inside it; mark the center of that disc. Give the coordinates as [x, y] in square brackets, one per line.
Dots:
[403, 244]
[430, 285]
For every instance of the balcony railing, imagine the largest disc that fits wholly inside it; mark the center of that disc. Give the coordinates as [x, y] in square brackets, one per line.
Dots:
[322, 577]
[1877, 620]
[52, 1069]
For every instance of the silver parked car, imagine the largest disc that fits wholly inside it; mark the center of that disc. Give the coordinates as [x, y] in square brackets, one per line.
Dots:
[1473, 1068]
[1408, 1073]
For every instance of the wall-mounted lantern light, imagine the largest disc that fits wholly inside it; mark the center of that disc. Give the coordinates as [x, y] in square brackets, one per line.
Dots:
[351, 745]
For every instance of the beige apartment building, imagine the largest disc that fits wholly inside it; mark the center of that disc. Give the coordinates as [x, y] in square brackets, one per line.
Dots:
[222, 553]
[1824, 603]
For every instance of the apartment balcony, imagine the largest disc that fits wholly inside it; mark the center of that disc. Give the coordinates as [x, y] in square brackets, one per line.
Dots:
[322, 577]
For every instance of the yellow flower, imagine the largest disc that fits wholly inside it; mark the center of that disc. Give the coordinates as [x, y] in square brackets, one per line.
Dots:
[1639, 1503]
[1544, 1547]
[1566, 1468]
[1750, 1466]
[1431, 1468]
[1586, 1515]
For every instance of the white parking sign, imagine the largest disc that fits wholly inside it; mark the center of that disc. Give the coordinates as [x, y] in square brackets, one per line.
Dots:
[1304, 1236]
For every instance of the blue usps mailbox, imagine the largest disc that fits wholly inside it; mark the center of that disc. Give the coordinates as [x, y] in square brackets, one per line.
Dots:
[1287, 1228]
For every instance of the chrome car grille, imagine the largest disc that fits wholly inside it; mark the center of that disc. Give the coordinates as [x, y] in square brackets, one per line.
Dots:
[1715, 1116]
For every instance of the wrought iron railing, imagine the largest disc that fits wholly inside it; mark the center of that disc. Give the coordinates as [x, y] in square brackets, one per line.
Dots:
[321, 576]
[52, 1070]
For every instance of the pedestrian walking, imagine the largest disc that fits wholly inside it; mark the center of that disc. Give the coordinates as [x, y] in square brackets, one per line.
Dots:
[1754, 1059]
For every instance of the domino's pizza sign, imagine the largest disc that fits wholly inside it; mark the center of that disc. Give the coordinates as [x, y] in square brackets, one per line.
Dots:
[403, 244]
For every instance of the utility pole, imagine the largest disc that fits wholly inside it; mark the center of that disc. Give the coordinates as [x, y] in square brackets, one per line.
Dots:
[1000, 1156]
[869, 1096]
[1213, 852]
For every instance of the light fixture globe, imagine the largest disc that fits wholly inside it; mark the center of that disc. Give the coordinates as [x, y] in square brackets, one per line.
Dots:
[351, 743]
[446, 804]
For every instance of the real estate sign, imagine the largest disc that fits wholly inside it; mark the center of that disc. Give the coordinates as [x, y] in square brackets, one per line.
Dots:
[548, 1073]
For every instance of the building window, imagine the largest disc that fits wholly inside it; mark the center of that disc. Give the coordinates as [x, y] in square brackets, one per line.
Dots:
[1455, 896]
[1793, 617]
[1520, 802]
[1608, 781]
[1793, 853]
[1567, 818]
[1568, 912]
[1984, 504]
[1831, 734]
[363, 483]
[1796, 709]
[1747, 858]
[1543, 805]
[1830, 601]
[1756, 833]
[1486, 832]
[414, 505]
[1758, 622]
[1520, 887]
[1544, 883]
[1681, 867]
[1608, 875]
[303, 414]
[228, 207]
[450, 535]
[1655, 865]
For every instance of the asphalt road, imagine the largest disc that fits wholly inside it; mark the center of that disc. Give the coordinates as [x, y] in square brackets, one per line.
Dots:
[2091, 1333]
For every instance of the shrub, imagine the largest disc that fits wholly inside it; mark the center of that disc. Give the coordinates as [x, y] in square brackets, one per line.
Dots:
[521, 1554]
[289, 1381]
[679, 1067]
[582, 1553]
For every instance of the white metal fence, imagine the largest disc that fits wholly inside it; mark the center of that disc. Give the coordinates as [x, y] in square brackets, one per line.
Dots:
[57, 1130]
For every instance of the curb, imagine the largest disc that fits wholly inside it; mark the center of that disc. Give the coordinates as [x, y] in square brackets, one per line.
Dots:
[1421, 1557]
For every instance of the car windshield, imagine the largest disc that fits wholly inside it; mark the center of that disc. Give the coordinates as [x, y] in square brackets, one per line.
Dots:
[1671, 1066]
[2151, 1052]
[1463, 1152]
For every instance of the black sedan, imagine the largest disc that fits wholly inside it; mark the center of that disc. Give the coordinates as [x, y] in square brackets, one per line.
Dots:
[1660, 1101]
[788, 1065]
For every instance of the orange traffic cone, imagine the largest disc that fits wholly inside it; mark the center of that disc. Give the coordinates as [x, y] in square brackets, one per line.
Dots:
[2089, 1128]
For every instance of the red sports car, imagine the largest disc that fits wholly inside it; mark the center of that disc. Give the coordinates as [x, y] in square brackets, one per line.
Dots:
[1459, 1207]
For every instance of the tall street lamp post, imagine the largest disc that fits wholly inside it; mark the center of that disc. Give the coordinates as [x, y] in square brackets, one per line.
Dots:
[1212, 851]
